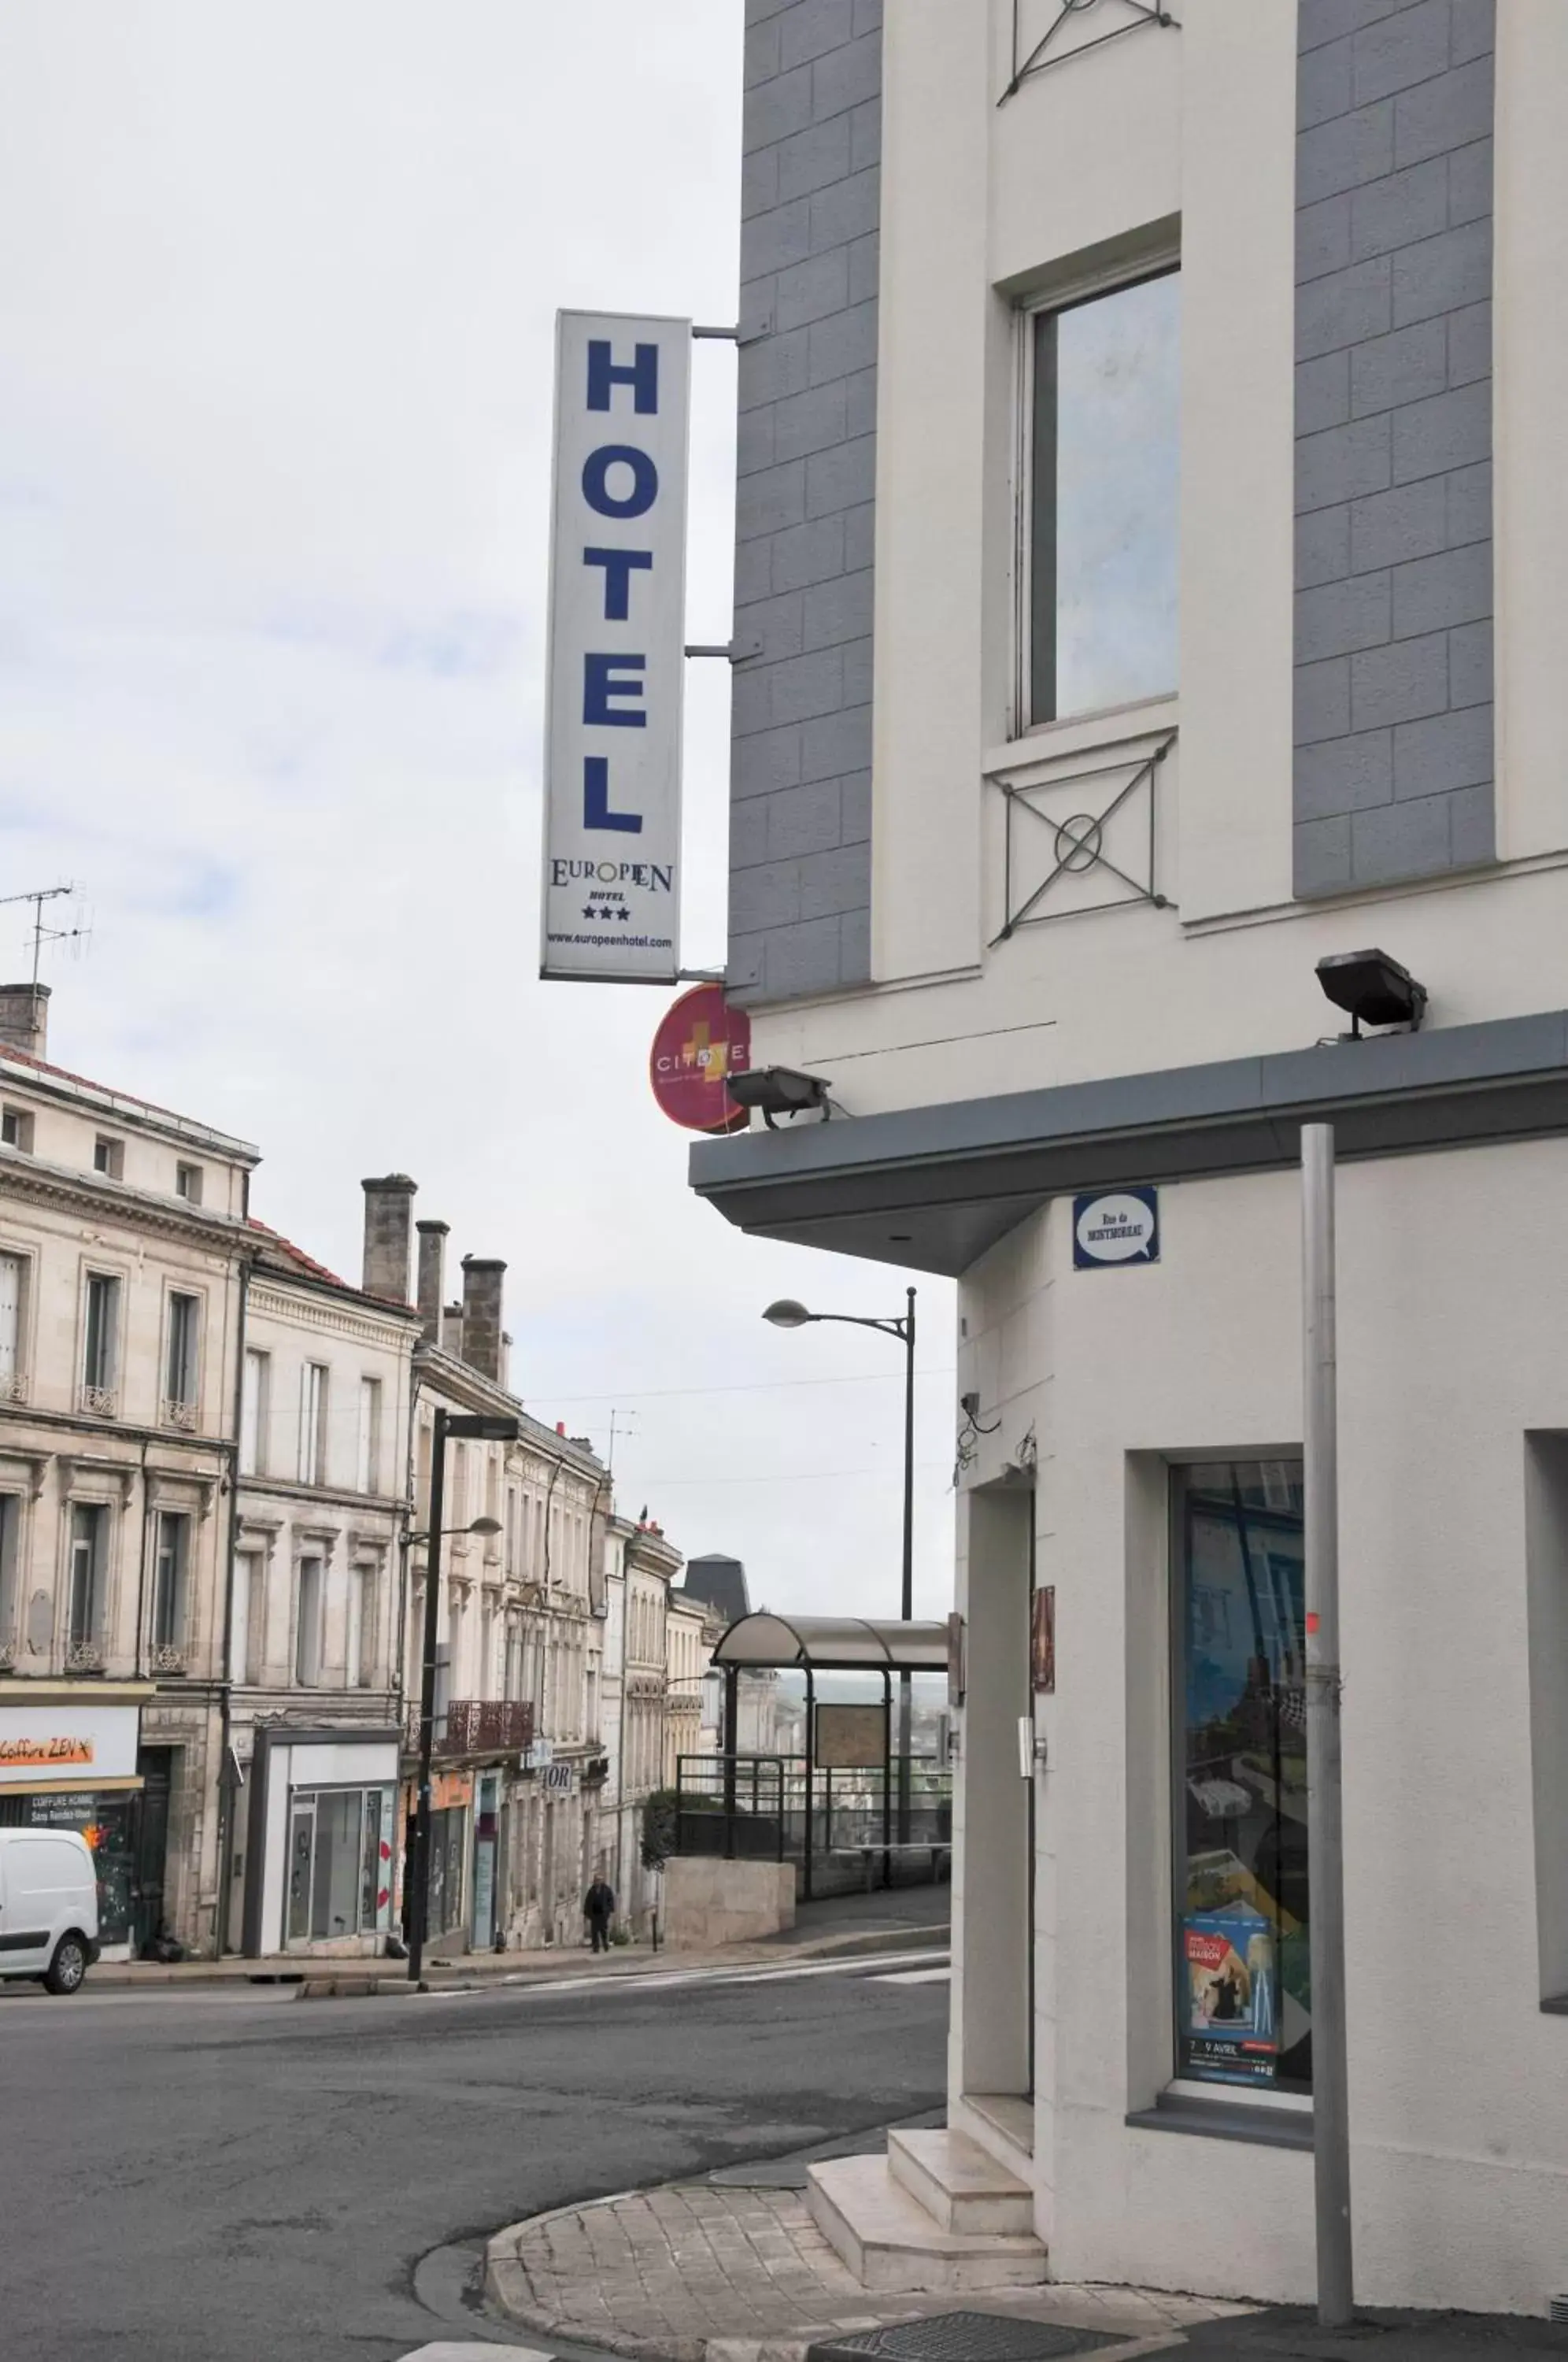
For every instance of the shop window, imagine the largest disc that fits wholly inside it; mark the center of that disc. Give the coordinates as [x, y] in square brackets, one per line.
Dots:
[339, 1862]
[169, 1583]
[89, 1522]
[1105, 414]
[1546, 1568]
[1242, 1990]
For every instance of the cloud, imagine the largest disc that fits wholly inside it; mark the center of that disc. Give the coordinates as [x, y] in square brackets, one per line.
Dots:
[277, 299]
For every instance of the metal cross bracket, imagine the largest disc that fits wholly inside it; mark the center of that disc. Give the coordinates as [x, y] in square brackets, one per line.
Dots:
[1080, 841]
[1139, 14]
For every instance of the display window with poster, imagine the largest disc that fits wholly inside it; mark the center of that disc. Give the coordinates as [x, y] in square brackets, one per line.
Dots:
[1241, 1905]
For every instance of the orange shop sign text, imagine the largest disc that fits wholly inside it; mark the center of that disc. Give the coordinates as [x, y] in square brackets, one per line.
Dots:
[44, 1754]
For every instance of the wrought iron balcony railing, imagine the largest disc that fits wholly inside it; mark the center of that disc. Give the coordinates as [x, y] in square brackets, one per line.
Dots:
[476, 1727]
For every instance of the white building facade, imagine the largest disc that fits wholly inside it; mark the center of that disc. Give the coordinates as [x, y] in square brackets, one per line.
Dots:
[1150, 521]
[640, 1565]
[315, 1650]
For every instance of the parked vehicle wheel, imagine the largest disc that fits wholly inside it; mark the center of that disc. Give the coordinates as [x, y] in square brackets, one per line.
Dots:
[69, 1966]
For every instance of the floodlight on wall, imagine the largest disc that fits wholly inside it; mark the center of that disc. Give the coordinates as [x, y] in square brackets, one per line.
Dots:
[778, 1090]
[1373, 989]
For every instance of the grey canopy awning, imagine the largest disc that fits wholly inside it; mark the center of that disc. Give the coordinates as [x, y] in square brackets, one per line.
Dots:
[838, 1644]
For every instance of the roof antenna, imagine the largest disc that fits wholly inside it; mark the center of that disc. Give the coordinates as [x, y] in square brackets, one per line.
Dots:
[40, 932]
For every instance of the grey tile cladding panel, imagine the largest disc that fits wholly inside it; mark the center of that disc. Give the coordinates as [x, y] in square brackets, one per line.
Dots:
[1393, 593]
[799, 850]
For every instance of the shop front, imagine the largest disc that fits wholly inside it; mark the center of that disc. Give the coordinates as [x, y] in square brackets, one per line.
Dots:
[321, 1841]
[69, 1761]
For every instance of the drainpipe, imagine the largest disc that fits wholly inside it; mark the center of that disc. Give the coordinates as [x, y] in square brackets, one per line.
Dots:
[227, 1799]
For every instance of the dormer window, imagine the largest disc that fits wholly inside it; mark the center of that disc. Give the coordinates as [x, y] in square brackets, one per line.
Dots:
[17, 1129]
[109, 1156]
[188, 1183]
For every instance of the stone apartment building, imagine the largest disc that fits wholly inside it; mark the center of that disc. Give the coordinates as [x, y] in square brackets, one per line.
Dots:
[124, 1249]
[640, 1567]
[314, 1632]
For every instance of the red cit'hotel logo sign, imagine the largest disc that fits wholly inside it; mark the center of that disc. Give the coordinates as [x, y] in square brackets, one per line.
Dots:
[699, 1045]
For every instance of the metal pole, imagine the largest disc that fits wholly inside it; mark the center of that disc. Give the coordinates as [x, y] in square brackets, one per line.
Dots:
[1325, 1856]
[731, 1739]
[418, 1866]
[906, 1607]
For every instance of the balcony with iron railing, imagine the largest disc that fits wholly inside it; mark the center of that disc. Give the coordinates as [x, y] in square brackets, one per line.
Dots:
[475, 1727]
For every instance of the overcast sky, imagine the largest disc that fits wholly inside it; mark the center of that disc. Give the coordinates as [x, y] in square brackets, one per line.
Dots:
[277, 294]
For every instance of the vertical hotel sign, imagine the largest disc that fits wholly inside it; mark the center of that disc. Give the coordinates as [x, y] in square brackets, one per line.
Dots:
[611, 894]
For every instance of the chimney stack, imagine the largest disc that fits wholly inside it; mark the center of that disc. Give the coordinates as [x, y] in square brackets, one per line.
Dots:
[482, 1314]
[432, 1273]
[452, 1332]
[388, 1204]
[23, 1018]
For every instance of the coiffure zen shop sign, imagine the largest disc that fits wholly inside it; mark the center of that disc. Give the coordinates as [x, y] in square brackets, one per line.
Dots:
[47, 1746]
[612, 897]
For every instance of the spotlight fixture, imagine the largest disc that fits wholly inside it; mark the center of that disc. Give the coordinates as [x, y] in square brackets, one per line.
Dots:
[1373, 989]
[778, 1090]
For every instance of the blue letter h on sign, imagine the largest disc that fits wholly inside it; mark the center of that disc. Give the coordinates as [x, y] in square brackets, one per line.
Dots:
[603, 373]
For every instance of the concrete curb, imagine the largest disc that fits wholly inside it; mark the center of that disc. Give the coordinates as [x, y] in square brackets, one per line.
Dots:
[391, 1977]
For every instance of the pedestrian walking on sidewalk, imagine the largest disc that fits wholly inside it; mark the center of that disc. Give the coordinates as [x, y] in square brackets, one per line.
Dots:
[598, 1909]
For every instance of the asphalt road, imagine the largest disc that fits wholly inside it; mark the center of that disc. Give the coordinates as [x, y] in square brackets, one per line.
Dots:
[221, 2176]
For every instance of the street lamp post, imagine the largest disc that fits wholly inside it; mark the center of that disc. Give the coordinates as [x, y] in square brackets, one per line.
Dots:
[787, 1313]
[417, 1863]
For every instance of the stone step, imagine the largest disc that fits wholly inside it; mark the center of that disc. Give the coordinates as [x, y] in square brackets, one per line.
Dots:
[892, 2244]
[959, 2185]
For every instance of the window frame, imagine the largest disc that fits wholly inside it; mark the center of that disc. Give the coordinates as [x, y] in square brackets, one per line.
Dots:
[109, 1156]
[255, 1407]
[108, 1381]
[315, 1380]
[13, 1382]
[1160, 259]
[98, 1511]
[17, 1122]
[188, 1181]
[245, 1590]
[190, 1314]
[367, 1439]
[306, 1663]
[170, 1601]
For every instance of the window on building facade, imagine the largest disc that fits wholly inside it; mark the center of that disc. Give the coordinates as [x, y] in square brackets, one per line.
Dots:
[359, 1647]
[512, 1505]
[10, 1529]
[182, 1351]
[307, 1623]
[109, 1156]
[253, 1413]
[89, 1524]
[246, 1593]
[101, 1343]
[17, 1129]
[1242, 1904]
[13, 1301]
[369, 1475]
[1103, 500]
[170, 1563]
[188, 1183]
[311, 1467]
[513, 1659]
[487, 1646]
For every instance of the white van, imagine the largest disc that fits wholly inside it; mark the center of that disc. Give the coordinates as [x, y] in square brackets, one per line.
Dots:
[48, 1908]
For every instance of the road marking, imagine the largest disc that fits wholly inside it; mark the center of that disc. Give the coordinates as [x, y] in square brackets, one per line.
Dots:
[917, 1977]
[866, 1966]
[450, 2349]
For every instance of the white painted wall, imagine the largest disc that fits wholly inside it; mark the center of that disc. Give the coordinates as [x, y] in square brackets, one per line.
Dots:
[1459, 2083]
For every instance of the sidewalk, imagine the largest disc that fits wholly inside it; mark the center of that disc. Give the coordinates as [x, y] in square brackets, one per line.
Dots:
[713, 2272]
[909, 1919]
